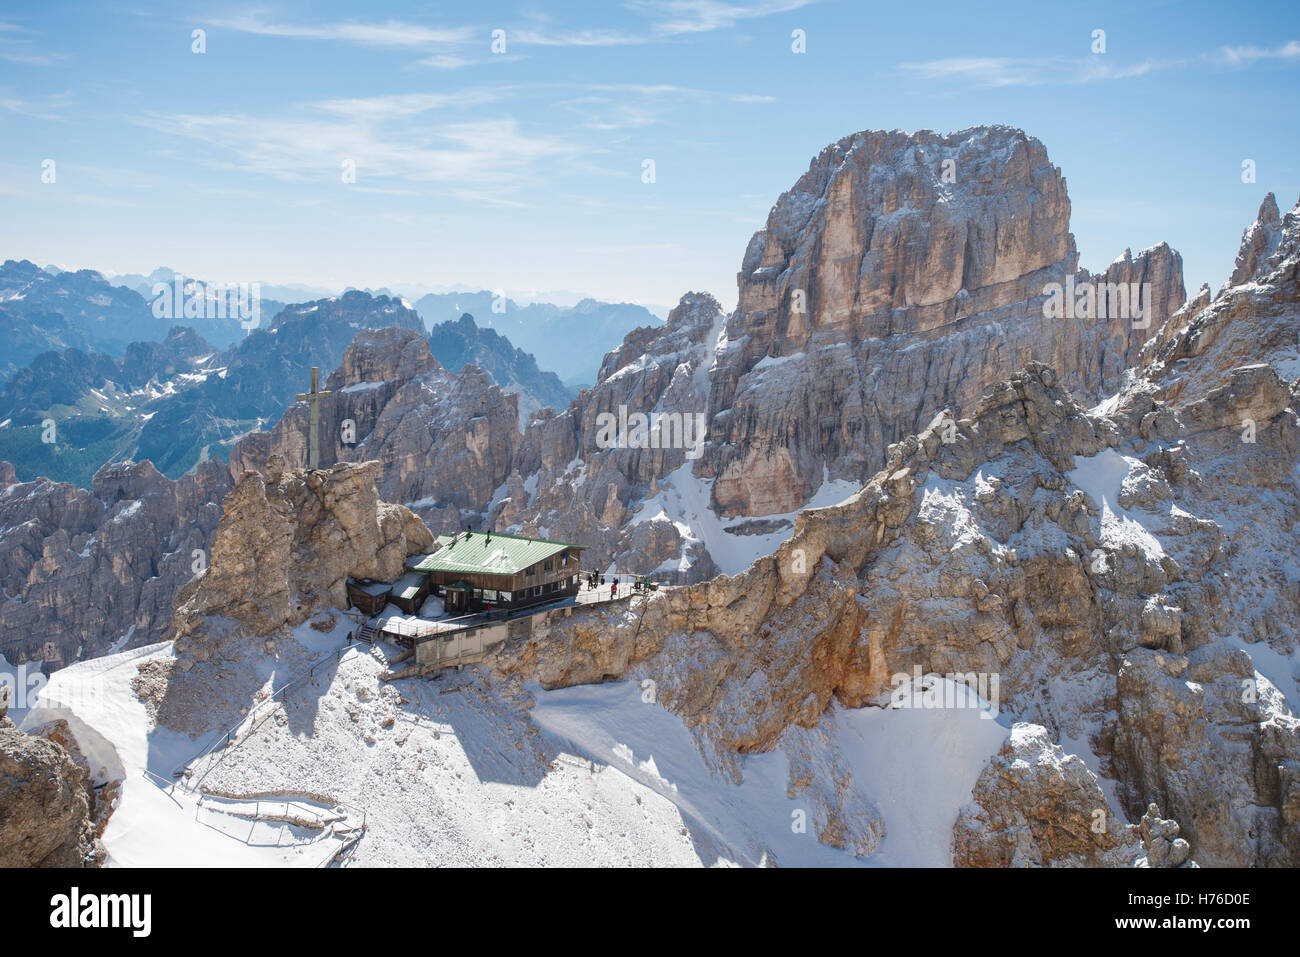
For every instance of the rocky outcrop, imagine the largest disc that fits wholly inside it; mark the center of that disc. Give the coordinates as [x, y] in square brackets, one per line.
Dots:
[286, 544]
[1029, 542]
[588, 466]
[1251, 320]
[1036, 806]
[89, 570]
[1161, 842]
[442, 442]
[47, 803]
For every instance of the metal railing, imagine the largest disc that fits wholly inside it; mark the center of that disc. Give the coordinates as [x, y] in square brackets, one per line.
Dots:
[296, 804]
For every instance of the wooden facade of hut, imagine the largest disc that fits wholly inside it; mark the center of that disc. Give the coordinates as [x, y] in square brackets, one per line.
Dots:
[369, 597]
[476, 570]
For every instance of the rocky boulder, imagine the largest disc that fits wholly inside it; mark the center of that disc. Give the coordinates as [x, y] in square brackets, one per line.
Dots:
[286, 544]
[47, 803]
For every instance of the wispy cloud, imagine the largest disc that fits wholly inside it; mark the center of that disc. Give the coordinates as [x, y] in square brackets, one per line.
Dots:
[664, 20]
[33, 59]
[446, 61]
[1029, 71]
[371, 110]
[391, 33]
[48, 107]
[615, 106]
[389, 138]
[675, 17]
[1039, 71]
[16, 46]
[1245, 56]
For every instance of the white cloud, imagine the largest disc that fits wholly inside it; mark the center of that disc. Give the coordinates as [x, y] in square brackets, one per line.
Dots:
[46, 107]
[675, 17]
[392, 33]
[1249, 55]
[390, 139]
[666, 19]
[613, 106]
[445, 61]
[1036, 71]
[1028, 71]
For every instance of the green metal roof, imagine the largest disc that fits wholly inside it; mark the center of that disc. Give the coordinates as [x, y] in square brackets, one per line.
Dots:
[492, 554]
[409, 585]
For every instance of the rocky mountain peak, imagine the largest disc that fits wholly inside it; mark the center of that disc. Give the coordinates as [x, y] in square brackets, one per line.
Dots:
[887, 220]
[390, 354]
[902, 273]
[1258, 243]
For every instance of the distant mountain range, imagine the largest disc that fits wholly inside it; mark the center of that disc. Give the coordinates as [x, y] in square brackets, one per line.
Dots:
[569, 340]
[462, 342]
[182, 400]
[548, 331]
[42, 311]
[128, 369]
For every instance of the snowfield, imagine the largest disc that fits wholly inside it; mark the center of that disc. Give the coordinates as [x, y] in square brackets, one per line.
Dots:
[151, 827]
[683, 500]
[462, 769]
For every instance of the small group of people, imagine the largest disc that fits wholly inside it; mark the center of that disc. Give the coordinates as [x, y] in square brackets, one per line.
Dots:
[641, 584]
[596, 582]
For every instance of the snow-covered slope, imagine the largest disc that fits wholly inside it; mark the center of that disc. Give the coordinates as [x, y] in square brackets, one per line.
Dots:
[465, 770]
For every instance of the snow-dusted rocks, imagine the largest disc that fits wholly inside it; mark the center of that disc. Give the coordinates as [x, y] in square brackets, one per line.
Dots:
[579, 486]
[1036, 806]
[1052, 547]
[443, 442]
[89, 570]
[47, 804]
[283, 551]
[1252, 319]
[902, 274]
[1161, 842]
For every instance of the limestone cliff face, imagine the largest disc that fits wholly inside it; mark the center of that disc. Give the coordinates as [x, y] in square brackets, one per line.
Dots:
[286, 544]
[89, 569]
[903, 273]
[1127, 573]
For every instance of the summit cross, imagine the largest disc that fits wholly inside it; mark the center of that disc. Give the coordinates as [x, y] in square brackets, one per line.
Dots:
[312, 399]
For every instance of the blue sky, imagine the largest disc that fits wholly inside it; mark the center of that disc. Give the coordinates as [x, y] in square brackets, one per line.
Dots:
[522, 170]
